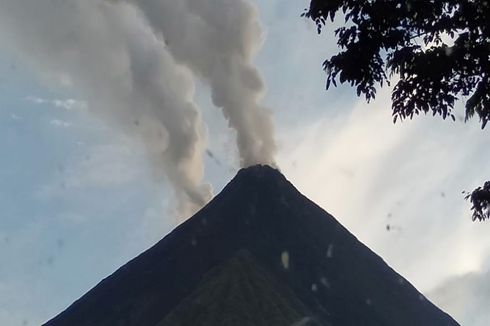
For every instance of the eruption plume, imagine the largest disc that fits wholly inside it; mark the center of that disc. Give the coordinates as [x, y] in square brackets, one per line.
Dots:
[217, 40]
[135, 63]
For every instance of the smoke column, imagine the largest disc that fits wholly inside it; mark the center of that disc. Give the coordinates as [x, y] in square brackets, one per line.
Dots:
[136, 62]
[217, 39]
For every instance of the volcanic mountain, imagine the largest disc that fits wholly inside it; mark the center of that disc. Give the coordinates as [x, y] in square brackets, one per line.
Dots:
[259, 253]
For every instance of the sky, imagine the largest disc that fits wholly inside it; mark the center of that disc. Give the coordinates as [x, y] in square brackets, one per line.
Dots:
[80, 197]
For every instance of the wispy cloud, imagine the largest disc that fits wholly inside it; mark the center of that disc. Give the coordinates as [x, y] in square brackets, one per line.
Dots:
[102, 166]
[370, 173]
[65, 104]
[60, 123]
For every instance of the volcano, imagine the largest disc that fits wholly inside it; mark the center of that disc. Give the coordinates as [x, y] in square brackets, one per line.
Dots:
[260, 253]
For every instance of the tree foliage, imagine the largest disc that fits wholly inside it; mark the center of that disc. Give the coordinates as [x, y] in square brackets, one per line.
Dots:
[438, 49]
[480, 198]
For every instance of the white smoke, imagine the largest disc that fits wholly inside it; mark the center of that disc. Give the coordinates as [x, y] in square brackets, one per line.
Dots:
[217, 39]
[135, 62]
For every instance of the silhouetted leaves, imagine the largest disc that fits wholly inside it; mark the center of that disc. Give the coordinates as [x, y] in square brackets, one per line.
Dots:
[438, 49]
[480, 199]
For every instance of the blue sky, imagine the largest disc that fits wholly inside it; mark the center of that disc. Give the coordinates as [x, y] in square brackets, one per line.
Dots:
[79, 197]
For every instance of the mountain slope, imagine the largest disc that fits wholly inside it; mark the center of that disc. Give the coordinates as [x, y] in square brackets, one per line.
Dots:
[238, 292]
[330, 275]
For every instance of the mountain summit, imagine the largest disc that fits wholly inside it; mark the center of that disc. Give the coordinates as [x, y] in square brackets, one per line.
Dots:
[259, 253]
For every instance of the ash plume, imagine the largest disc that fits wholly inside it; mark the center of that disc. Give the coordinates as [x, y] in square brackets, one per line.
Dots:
[218, 39]
[136, 62]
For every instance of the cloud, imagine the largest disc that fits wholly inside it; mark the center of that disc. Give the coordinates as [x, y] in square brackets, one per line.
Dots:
[65, 104]
[70, 104]
[60, 123]
[14, 116]
[110, 165]
[465, 297]
[370, 173]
